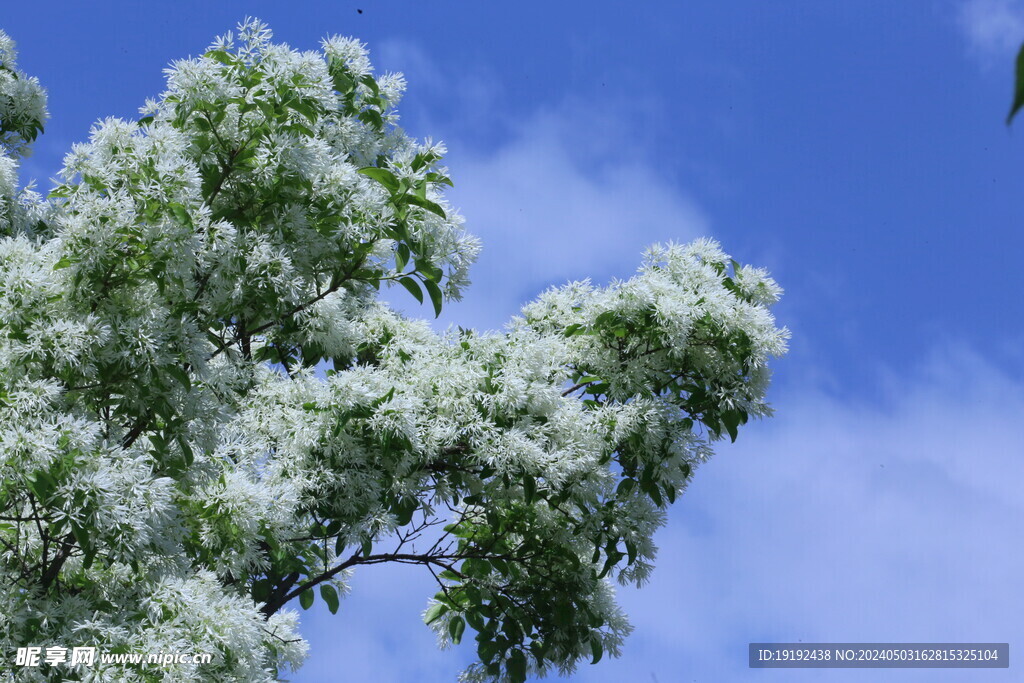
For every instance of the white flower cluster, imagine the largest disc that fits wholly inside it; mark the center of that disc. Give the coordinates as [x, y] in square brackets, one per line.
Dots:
[22, 113]
[22, 102]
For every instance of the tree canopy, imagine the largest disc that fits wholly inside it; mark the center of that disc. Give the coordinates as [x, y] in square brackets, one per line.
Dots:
[207, 415]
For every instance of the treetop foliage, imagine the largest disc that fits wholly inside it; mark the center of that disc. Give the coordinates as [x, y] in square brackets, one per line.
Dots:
[207, 415]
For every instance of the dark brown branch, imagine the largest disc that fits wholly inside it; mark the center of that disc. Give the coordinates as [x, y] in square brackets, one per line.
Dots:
[445, 561]
[576, 387]
[51, 573]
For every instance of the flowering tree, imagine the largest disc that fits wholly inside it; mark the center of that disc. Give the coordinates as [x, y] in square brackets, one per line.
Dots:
[207, 415]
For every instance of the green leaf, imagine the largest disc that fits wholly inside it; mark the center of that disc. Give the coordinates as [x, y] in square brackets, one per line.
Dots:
[426, 204]
[429, 270]
[712, 423]
[414, 288]
[266, 107]
[159, 443]
[670, 491]
[220, 56]
[562, 614]
[402, 257]
[343, 83]
[81, 535]
[476, 568]
[404, 510]
[486, 651]
[435, 612]
[731, 419]
[180, 375]
[456, 627]
[372, 118]
[423, 159]
[60, 191]
[306, 109]
[631, 551]
[1018, 92]
[306, 599]
[517, 667]
[475, 620]
[41, 484]
[382, 176]
[625, 487]
[539, 648]
[87, 561]
[439, 179]
[186, 451]
[596, 650]
[300, 128]
[436, 297]
[330, 596]
[529, 488]
[370, 83]
[510, 627]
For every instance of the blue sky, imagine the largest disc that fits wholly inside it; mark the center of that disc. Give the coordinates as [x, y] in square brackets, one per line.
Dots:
[855, 149]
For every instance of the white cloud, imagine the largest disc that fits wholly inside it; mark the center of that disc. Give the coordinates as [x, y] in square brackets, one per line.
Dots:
[551, 206]
[894, 522]
[994, 28]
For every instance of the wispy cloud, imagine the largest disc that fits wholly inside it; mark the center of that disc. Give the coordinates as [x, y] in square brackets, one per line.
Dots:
[567, 191]
[994, 28]
[549, 209]
[843, 522]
